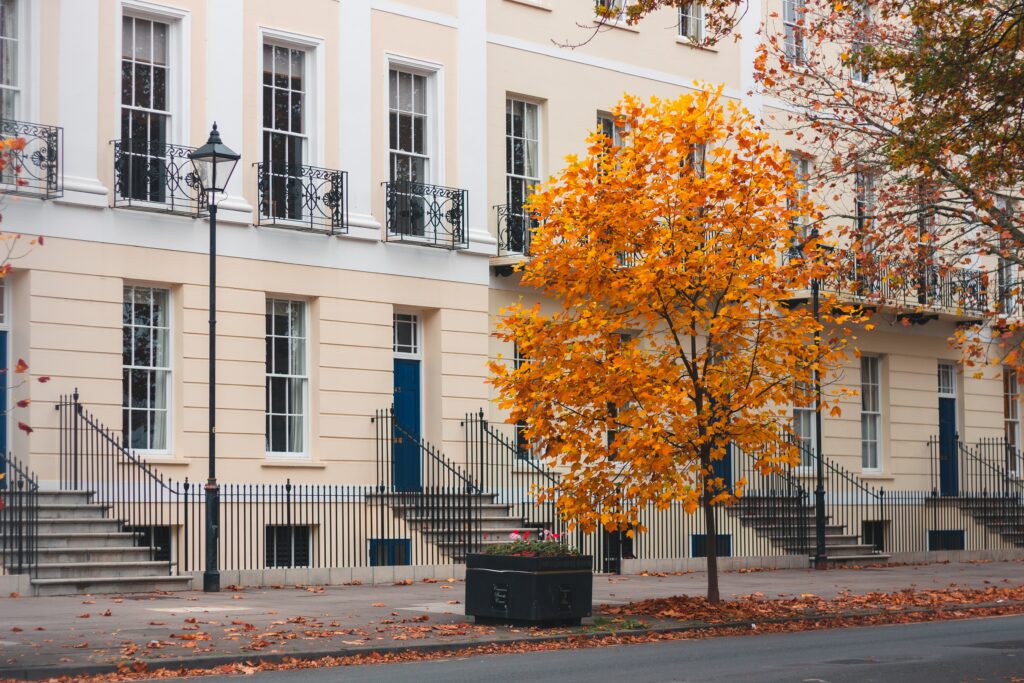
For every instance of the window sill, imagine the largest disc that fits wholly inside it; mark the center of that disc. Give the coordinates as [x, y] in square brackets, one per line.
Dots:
[162, 460]
[681, 40]
[876, 476]
[535, 4]
[296, 463]
[616, 23]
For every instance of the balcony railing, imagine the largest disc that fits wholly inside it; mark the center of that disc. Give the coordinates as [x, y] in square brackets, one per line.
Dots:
[907, 284]
[156, 176]
[302, 197]
[37, 169]
[515, 227]
[429, 215]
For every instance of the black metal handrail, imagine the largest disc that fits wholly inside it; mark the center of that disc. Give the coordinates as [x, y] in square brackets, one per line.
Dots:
[156, 176]
[499, 467]
[417, 464]
[35, 168]
[93, 459]
[989, 467]
[19, 517]
[515, 228]
[429, 215]
[302, 197]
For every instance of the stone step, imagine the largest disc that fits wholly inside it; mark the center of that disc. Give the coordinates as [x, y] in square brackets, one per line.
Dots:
[95, 554]
[120, 539]
[65, 497]
[507, 523]
[857, 559]
[427, 498]
[841, 539]
[849, 549]
[426, 514]
[493, 530]
[76, 570]
[60, 511]
[111, 584]
[71, 526]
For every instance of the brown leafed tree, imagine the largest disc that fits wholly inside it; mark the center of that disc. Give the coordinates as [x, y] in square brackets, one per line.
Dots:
[669, 259]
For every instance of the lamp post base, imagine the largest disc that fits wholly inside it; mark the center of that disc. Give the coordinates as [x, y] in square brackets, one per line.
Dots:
[211, 582]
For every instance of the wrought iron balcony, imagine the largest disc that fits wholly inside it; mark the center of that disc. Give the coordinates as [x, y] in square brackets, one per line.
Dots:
[156, 176]
[514, 229]
[430, 215]
[302, 197]
[35, 169]
[908, 284]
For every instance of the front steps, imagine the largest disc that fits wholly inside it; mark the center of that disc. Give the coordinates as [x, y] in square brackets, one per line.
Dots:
[1003, 515]
[793, 530]
[82, 550]
[455, 522]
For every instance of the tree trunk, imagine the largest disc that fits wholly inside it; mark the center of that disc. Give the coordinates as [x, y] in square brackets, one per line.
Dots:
[710, 525]
[712, 551]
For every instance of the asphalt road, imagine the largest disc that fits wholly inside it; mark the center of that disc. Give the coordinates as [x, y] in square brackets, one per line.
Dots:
[977, 650]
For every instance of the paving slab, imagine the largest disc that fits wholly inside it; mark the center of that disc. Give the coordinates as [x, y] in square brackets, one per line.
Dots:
[80, 634]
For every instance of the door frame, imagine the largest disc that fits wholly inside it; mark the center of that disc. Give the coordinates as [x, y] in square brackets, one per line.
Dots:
[952, 395]
[416, 355]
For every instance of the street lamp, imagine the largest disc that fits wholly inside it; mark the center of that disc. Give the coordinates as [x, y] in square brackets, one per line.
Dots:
[820, 558]
[213, 163]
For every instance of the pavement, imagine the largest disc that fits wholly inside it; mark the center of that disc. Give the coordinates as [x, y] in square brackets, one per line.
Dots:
[74, 635]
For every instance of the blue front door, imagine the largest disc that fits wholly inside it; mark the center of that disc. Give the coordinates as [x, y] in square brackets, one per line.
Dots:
[406, 449]
[949, 473]
[723, 468]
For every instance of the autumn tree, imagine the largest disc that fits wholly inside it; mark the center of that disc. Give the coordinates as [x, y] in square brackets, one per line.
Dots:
[913, 112]
[670, 261]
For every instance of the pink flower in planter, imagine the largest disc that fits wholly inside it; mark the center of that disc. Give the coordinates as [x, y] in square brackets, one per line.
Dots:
[514, 536]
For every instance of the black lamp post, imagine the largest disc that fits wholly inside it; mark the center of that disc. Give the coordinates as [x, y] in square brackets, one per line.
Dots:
[820, 558]
[213, 163]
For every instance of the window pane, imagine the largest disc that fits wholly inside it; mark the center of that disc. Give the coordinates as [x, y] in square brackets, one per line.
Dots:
[405, 92]
[159, 43]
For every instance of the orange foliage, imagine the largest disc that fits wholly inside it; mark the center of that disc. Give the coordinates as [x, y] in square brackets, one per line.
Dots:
[692, 266]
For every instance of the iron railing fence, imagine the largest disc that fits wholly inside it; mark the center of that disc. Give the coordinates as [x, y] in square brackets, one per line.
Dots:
[988, 467]
[444, 515]
[35, 167]
[428, 215]
[302, 197]
[19, 518]
[150, 175]
[515, 228]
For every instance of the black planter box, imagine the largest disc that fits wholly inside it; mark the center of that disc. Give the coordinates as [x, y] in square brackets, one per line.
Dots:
[528, 590]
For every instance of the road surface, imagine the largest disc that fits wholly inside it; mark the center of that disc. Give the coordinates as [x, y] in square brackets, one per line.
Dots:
[976, 650]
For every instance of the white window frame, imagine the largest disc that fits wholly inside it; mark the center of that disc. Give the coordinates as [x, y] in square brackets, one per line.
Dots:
[1011, 419]
[536, 105]
[858, 74]
[607, 117]
[806, 410]
[179, 66]
[693, 12]
[871, 383]
[799, 30]
[618, 9]
[802, 174]
[434, 73]
[21, 8]
[417, 323]
[302, 454]
[315, 87]
[952, 393]
[169, 369]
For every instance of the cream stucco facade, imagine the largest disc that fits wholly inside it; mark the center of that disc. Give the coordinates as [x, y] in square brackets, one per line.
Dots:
[64, 311]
